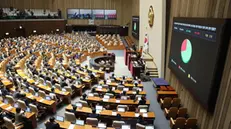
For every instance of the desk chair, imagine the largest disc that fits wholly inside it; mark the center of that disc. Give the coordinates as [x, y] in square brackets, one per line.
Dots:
[48, 84]
[191, 123]
[139, 126]
[92, 121]
[41, 93]
[118, 124]
[69, 116]
[68, 89]
[10, 99]
[57, 86]
[22, 104]
[143, 107]
[119, 87]
[84, 103]
[175, 102]
[41, 80]
[34, 109]
[110, 95]
[182, 112]
[123, 106]
[18, 83]
[178, 123]
[171, 113]
[36, 77]
[96, 94]
[10, 125]
[166, 103]
[23, 86]
[31, 90]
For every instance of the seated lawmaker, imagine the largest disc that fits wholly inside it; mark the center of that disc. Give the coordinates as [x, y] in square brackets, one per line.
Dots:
[93, 115]
[142, 101]
[51, 124]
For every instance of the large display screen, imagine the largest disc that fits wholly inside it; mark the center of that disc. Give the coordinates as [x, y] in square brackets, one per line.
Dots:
[110, 14]
[197, 56]
[73, 14]
[85, 14]
[98, 14]
[135, 26]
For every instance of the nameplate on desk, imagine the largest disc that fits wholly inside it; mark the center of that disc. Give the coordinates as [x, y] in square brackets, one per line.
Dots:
[41, 100]
[145, 115]
[31, 96]
[48, 88]
[9, 108]
[105, 100]
[137, 114]
[134, 92]
[2, 104]
[72, 126]
[117, 101]
[114, 113]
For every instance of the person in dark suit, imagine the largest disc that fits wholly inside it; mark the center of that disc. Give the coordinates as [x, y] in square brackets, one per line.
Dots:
[51, 124]
[110, 91]
[118, 96]
[142, 101]
[23, 98]
[48, 78]
[53, 81]
[63, 83]
[73, 110]
[141, 120]
[93, 115]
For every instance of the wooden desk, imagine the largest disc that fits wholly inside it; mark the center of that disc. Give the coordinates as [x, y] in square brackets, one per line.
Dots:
[104, 90]
[65, 95]
[115, 101]
[66, 125]
[163, 94]
[108, 113]
[29, 115]
[49, 103]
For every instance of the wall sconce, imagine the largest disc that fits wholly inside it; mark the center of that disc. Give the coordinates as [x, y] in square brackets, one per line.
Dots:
[57, 30]
[20, 27]
[7, 33]
[34, 31]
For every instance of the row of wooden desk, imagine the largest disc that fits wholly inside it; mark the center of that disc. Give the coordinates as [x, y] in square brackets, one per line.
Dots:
[111, 113]
[95, 99]
[29, 115]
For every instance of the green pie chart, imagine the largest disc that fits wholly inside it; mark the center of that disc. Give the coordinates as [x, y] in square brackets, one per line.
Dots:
[186, 51]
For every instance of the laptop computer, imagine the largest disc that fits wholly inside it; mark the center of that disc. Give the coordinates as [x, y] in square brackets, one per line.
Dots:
[91, 95]
[16, 105]
[121, 110]
[102, 125]
[36, 94]
[106, 97]
[126, 127]
[143, 110]
[5, 101]
[99, 107]
[79, 104]
[125, 89]
[60, 118]
[79, 122]
[28, 109]
[149, 127]
[48, 98]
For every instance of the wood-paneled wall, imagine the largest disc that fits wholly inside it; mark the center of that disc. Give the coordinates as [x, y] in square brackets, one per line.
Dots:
[202, 8]
[123, 7]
